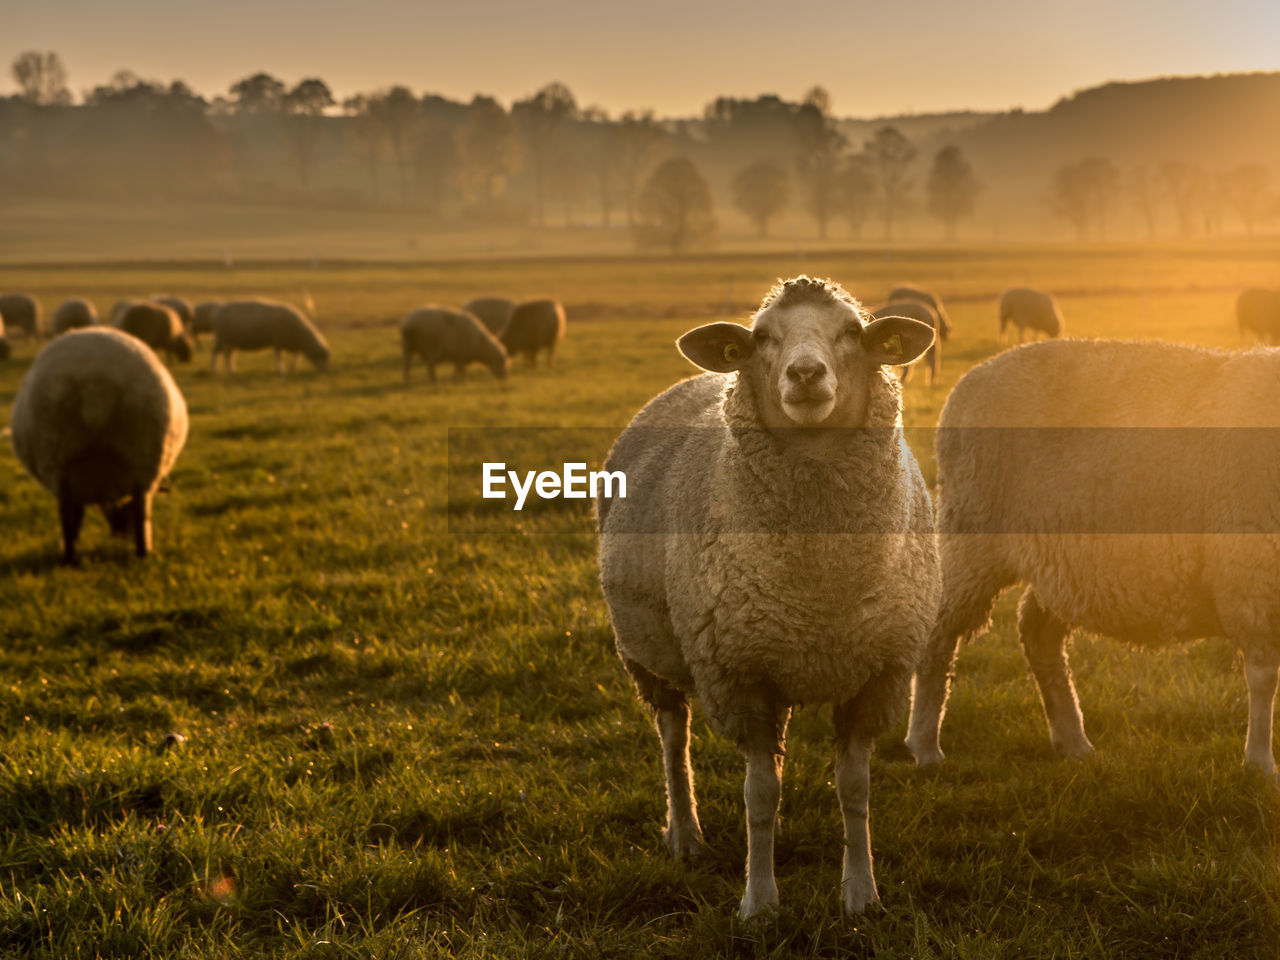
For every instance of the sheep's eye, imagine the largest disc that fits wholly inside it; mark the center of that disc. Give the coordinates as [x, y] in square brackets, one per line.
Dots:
[760, 336]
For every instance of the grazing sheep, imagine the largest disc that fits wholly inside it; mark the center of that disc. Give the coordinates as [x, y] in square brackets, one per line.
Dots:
[21, 311]
[447, 336]
[159, 327]
[775, 547]
[202, 316]
[1258, 312]
[118, 309]
[918, 310]
[99, 420]
[258, 324]
[493, 312]
[72, 315]
[1109, 478]
[535, 325]
[1029, 309]
[181, 307]
[4, 340]
[907, 291]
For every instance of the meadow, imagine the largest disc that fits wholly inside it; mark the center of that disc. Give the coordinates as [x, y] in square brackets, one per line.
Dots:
[399, 741]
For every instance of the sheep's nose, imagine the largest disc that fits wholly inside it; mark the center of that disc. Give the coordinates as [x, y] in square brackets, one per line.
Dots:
[804, 369]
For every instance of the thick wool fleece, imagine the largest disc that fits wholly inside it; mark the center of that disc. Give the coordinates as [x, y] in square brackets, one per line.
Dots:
[438, 335]
[259, 324]
[728, 595]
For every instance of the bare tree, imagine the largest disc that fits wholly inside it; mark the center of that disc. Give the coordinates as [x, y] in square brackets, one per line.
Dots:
[306, 104]
[891, 155]
[761, 191]
[1084, 193]
[857, 192]
[541, 121]
[258, 93]
[640, 138]
[368, 133]
[1145, 196]
[952, 188]
[1246, 189]
[399, 112]
[1187, 187]
[674, 208]
[600, 140]
[41, 78]
[487, 148]
[821, 148]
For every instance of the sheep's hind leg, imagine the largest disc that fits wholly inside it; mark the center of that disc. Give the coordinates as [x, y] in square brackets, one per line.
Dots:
[1260, 673]
[140, 507]
[671, 713]
[71, 516]
[762, 744]
[1044, 642]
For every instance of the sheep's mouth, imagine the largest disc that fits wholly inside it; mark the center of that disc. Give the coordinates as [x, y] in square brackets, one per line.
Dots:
[809, 408]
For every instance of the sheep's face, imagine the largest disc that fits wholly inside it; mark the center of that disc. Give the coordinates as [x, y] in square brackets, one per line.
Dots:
[809, 365]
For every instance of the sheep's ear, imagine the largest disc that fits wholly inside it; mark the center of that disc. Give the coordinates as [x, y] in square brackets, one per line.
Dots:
[719, 347]
[896, 340]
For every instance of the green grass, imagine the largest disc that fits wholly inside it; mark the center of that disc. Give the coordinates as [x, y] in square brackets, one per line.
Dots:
[406, 743]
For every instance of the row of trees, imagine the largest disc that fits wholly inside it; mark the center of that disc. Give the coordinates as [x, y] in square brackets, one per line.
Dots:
[1089, 194]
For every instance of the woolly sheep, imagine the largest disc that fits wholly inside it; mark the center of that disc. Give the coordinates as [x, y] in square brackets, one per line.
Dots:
[918, 310]
[4, 340]
[258, 324]
[493, 312]
[99, 420]
[118, 310]
[759, 561]
[21, 311]
[72, 315]
[535, 325]
[1029, 309]
[180, 307]
[202, 316]
[447, 336]
[1258, 312]
[1028, 501]
[159, 327]
[907, 291]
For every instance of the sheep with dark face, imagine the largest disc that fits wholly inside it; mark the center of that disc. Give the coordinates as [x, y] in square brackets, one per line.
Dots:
[535, 325]
[1029, 309]
[775, 547]
[20, 311]
[159, 327]
[438, 335]
[907, 291]
[493, 312]
[259, 324]
[918, 310]
[1258, 313]
[99, 420]
[73, 315]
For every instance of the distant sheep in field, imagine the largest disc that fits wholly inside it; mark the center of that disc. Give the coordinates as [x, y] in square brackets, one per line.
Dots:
[1029, 309]
[918, 310]
[1258, 313]
[202, 316]
[438, 335]
[775, 547]
[20, 311]
[159, 327]
[493, 312]
[4, 340]
[535, 325]
[99, 420]
[907, 291]
[1128, 485]
[118, 310]
[259, 324]
[181, 307]
[73, 315]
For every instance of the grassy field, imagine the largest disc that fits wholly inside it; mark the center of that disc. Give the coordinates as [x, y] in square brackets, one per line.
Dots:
[402, 742]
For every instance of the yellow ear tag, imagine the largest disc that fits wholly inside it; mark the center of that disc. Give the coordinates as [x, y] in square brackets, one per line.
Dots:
[893, 345]
[731, 352]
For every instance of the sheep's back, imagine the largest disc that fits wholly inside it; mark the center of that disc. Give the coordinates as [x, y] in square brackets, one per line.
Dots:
[534, 325]
[493, 312]
[21, 311]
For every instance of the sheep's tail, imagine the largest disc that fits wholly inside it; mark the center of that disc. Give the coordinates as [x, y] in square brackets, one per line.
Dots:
[97, 400]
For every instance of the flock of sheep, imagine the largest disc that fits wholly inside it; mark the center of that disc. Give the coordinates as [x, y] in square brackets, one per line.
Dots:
[99, 420]
[778, 544]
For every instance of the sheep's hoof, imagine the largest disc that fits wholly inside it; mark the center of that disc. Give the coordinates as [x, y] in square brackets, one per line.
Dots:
[685, 845]
[757, 907]
[926, 756]
[1075, 750]
[858, 901]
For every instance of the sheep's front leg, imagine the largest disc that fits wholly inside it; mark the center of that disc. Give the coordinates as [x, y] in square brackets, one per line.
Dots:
[683, 833]
[1261, 663]
[140, 508]
[763, 747]
[279, 366]
[853, 788]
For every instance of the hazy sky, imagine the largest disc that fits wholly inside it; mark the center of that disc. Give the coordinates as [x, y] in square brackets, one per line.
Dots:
[672, 55]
